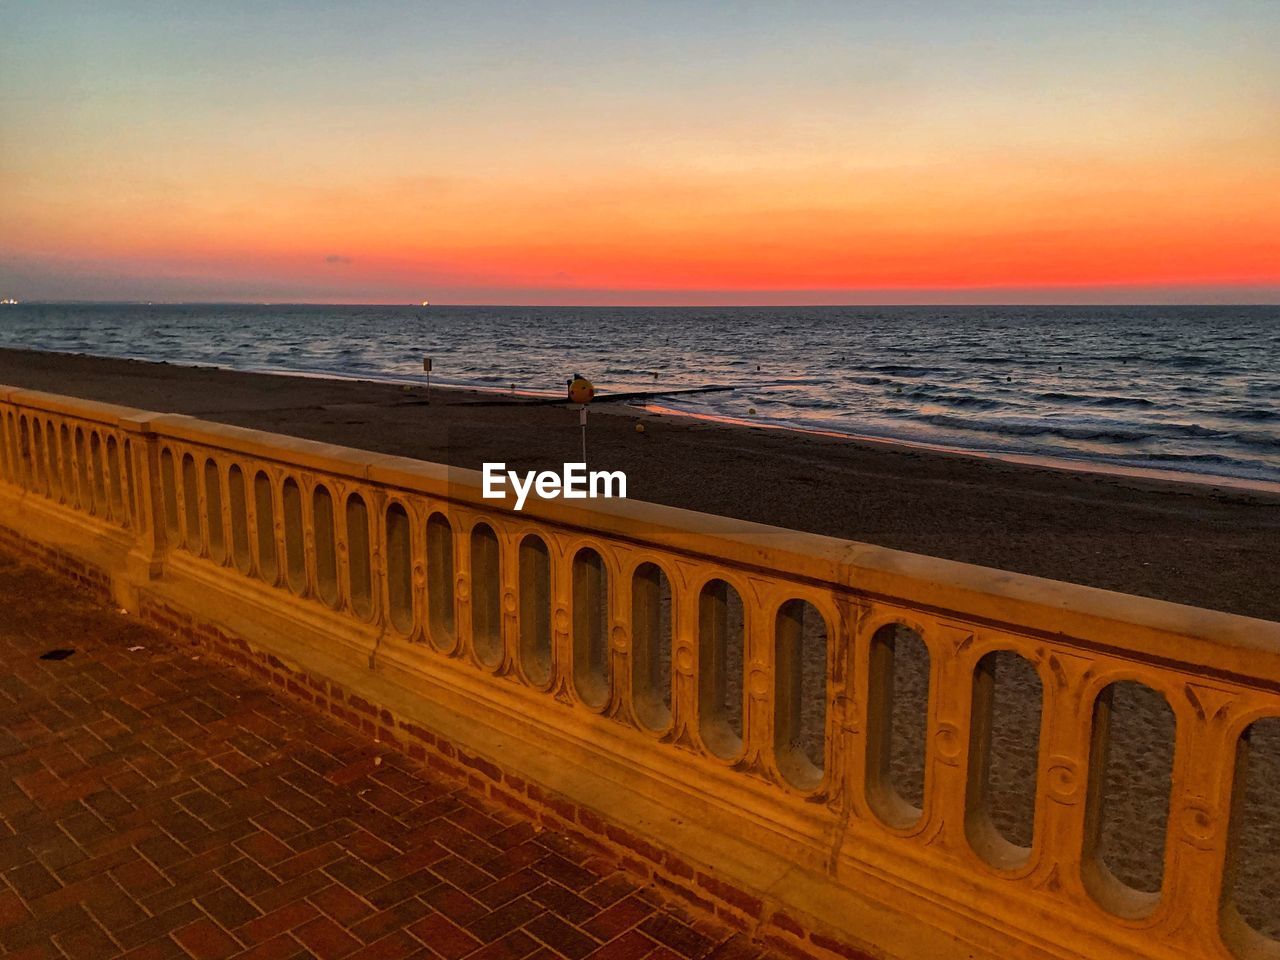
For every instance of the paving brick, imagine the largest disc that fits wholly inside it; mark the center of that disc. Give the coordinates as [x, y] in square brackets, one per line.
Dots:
[324, 834]
[247, 877]
[278, 921]
[157, 926]
[31, 880]
[12, 909]
[618, 918]
[112, 907]
[453, 903]
[566, 940]
[295, 889]
[671, 933]
[183, 891]
[510, 887]
[444, 936]
[280, 947]
[392, 918]
[166, 949]
[44, 950]
[315, 858]
[365, 846]
[516, 945]
[466, 846]
[505, 919]
[326, 939]
[356, 874]
[462, 874]
[415, 884]
[565, 873]
[228, 907]
[396, 945]
[632, 945]
[88, 940]
[264, 848]
[413, 860]
[205, 940]
[610, 889]
[139, 877]
[35, 930]
[515, 858]
[339, 903]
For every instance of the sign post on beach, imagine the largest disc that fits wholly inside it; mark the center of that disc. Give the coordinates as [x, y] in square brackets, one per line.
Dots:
[581, 392]
[426, 368]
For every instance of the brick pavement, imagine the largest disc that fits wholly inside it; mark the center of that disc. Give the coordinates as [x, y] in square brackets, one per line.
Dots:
[155, 803]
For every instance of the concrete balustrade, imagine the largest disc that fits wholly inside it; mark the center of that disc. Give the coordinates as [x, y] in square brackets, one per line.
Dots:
[723, 690]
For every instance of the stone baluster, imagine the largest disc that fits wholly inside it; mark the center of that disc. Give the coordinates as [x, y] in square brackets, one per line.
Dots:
[462, 585]
[759, 671]
[947, 740]
[619, 637]
[1069, 766]
[1197, 856]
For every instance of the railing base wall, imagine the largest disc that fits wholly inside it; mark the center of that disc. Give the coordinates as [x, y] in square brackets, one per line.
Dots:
[725, 860]
[93, 579]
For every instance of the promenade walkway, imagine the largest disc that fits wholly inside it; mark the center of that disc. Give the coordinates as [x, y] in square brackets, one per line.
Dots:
[154, 803]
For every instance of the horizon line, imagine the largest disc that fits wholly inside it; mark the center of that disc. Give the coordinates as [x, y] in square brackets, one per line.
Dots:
[66, 301]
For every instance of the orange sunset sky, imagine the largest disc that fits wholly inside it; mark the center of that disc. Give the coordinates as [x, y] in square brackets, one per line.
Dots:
[641, 153]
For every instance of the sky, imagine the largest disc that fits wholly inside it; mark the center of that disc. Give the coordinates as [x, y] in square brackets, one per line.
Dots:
[863, 151]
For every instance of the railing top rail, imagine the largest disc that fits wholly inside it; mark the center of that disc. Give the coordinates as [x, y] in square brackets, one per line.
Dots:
[104, 413]
[1152, 631]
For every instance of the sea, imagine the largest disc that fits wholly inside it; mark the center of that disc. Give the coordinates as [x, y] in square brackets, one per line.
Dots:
[1190, 389]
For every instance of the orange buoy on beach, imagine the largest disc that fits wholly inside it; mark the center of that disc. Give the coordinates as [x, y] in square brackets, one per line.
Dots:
[581, 390]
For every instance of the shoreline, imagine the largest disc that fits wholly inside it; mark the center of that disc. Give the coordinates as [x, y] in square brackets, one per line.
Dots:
[1214, 544]
[1113, 466]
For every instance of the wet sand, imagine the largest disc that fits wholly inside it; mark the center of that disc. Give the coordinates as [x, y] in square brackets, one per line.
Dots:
[1201, 544]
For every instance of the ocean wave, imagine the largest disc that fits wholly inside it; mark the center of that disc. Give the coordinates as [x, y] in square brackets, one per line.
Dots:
[1257, 441]
[968, 402]
[1193, 457]
[961, 401]
[1257, 414]
[821, 404]
[1090, 432]
[904, 370]
[1107, 433]
[1084, 399]
[1185, 362]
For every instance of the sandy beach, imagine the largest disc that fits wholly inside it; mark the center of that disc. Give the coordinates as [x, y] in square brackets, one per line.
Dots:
[1199, 544]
